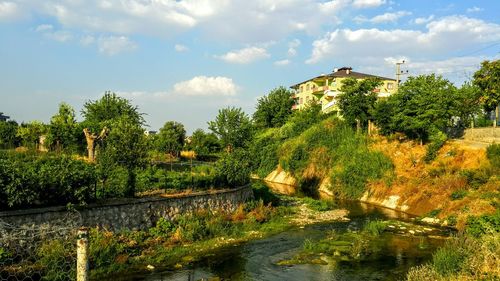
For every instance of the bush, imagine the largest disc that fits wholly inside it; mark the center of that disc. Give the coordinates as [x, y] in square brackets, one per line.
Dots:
[28, 180]
[493, 154]
[475, 178]
[233, 169]
[57, 261]
[482, 225]
[437, 141]
[447, 260]
[459, 194]
[375, 227]
[319, 205]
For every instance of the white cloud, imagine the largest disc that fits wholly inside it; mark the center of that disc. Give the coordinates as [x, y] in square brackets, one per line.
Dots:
[474, 10]
[292, 47]
[180, 48]
[87, 40]
[282, 62]
[441, 36]
[207, 86]
[423, 20]
[368, 3]
[245, 56]
[387, 17]
[112, 45]
[44, 27]
[9, 11]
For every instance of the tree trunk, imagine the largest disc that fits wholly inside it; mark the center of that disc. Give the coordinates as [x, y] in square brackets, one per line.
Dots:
[90, 138]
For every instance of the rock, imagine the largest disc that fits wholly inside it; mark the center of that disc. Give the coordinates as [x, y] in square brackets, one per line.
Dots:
[430, 220]
[150, 267]
[411, 232]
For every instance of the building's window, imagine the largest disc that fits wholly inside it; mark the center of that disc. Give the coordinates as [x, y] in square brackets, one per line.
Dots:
[301, 88]
[307, 87]
[390, 86]
[300, 101]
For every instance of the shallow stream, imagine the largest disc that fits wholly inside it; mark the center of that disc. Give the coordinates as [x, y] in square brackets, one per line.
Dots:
[257, 260]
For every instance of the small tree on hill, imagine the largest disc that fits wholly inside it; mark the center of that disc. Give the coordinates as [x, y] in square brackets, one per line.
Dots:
[357, 100]
[274, 109]
[62, 127]
[233, 127]
[487, 78]
[170, 138]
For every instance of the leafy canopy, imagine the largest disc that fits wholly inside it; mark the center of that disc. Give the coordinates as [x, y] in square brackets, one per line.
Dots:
[357, 99]
[487, 78]
[232, 126]
[171, 137]
[274, 109]
[204, 143]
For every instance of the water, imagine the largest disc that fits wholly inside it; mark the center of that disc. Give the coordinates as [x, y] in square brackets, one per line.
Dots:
[256, 260]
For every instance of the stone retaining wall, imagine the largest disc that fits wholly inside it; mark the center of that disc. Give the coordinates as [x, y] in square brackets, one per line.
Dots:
[489, 135]
[140, 213]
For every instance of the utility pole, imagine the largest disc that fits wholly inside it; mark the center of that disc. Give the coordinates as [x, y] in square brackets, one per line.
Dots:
[399, 72]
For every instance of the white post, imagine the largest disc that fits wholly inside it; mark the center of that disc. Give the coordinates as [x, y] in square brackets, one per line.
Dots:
[82, 255]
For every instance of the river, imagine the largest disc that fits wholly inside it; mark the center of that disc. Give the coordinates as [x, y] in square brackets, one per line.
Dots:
[256, 260]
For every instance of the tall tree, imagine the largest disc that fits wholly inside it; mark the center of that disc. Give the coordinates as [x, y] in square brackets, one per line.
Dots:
[203, 143]
[62, 127]
[357, 100]
[170, 138]
[487, 78]
[233, 127]
[423, 105]
[31, 133]
[100, 116]
[274, 109]
[8, 130]
[125, 146]
[469, 97]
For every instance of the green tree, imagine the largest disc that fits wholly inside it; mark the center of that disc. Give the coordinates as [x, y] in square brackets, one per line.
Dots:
[30, 133]
[62, 128]
[487, 78]
[233, 127]
[469, 96]
[101, 115]
[234, 168]
[8, 138]
[274, 109]
[170, 138]
[125, 146]
[423, 105]
[203, 143]
[357, 100]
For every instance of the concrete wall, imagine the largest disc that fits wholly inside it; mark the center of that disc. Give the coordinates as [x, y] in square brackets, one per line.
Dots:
[138, 213]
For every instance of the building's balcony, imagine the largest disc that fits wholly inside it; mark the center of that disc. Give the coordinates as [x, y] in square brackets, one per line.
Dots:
[319, 90]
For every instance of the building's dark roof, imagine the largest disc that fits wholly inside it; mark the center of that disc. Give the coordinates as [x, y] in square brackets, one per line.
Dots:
[342, 73]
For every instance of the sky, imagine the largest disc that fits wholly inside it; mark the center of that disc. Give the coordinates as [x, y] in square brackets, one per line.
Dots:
[183, 60]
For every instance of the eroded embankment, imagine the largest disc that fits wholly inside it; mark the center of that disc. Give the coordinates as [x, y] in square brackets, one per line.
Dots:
[457, 184]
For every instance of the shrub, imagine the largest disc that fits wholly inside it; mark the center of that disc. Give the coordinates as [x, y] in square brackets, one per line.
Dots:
[233, 169]
[57, 260]
[319, 205]
[447, 260]
[475, 178]
[163, 228]
[437, 141]
[459, 194]
[485, 224]
[28, 179]
[493, 154]
[375, 227]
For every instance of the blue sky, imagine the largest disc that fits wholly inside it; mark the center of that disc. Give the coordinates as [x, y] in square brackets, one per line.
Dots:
[184, 60]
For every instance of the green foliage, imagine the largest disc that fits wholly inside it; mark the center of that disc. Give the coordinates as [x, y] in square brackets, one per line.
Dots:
[234, 169]
[447, 260]
[233, 127]
[104, 251]
[301, 120]
[318, 205]
[469, 96]
[30, 133]
[423, 105]
[107, 109]
[483, 225]
[63, 130]
[357, 100]
[31, 180]
[125, 146]
[274, 109]
[493, 154]
[459, 194]
[475, 178]
[163, 228]
[262, 193]
[434, 213]
[57, 260]
[487, 78]
[8, 137]
[204, 144]
[170, 138]
[437, 140]
[375, 227]
[264, 151]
